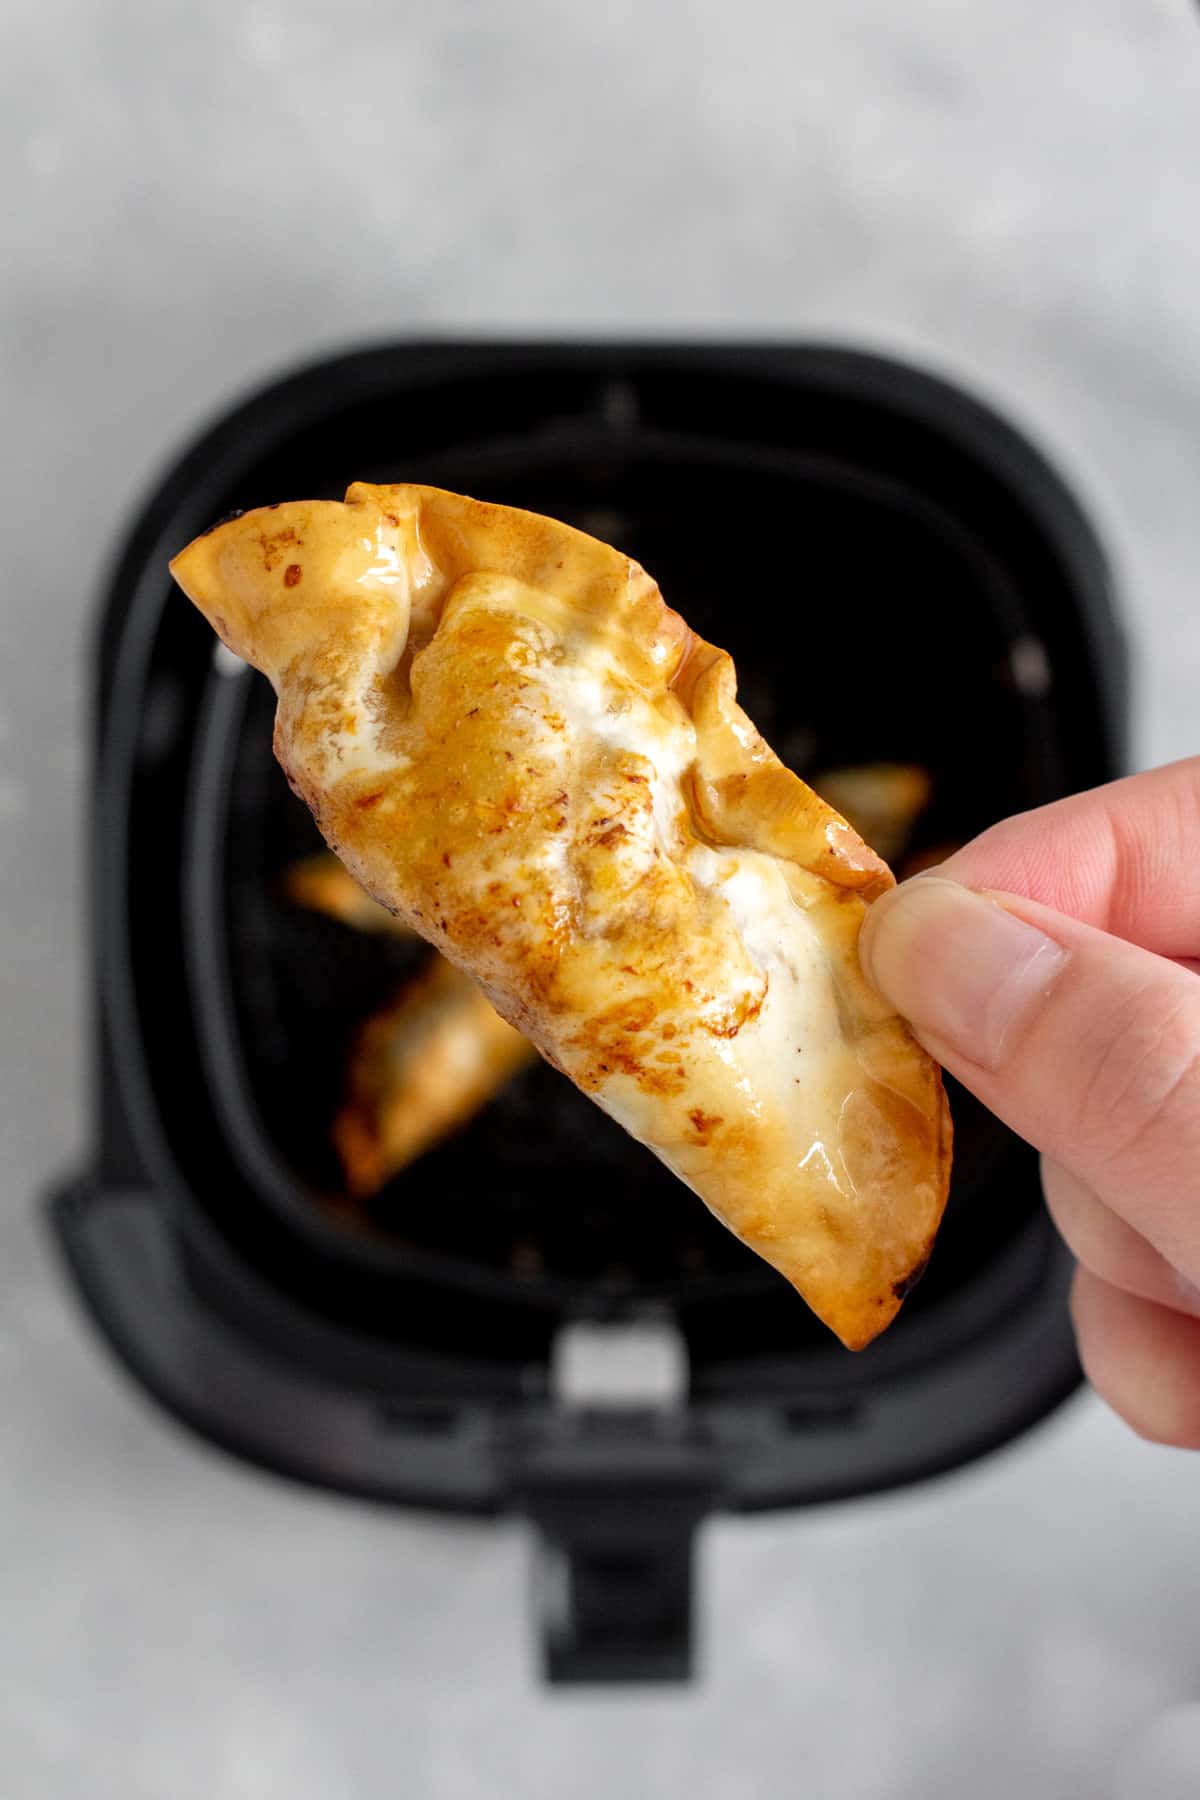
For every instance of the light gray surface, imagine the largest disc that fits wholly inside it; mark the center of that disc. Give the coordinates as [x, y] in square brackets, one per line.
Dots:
[191, 198]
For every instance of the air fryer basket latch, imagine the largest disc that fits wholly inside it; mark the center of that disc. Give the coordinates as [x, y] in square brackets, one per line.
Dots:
[616, 1499]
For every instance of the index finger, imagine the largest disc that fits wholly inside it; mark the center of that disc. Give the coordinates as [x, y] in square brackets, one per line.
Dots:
[1121, 857]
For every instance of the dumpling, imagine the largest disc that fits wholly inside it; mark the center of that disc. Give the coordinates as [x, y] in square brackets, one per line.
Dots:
[421, 1067]
[512, 742]
[424, 1064]
[883, 801]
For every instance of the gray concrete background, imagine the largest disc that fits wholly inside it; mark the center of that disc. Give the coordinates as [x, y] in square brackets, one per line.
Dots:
[192, 197]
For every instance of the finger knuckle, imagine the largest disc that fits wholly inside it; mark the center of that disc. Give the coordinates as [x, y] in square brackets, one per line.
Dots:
[1142, 1083]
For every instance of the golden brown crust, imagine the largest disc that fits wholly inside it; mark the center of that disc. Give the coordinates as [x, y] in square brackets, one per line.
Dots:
[511, 739]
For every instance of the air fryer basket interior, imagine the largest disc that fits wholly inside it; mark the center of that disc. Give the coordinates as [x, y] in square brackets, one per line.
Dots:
[883, 599]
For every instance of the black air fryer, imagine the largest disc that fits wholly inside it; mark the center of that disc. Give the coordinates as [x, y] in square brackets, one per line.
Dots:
[536, 1316]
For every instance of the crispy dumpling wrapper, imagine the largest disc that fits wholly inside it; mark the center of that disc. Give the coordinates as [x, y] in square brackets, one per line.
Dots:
[883, 801]
[512, 742]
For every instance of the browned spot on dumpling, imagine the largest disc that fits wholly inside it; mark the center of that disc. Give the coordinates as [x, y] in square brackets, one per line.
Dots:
[704, 1124]
[275, 543]
[746, 1008]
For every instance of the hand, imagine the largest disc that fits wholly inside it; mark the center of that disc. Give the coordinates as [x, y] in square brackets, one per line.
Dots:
[1067, 998]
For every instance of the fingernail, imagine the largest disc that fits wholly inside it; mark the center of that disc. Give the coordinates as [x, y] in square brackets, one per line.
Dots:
[956, 965]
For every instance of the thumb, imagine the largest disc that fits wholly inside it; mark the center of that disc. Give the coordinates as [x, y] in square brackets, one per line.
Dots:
[1086, 1045]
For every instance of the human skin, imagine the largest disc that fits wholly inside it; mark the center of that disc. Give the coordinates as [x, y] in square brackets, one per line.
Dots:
[1052, 966]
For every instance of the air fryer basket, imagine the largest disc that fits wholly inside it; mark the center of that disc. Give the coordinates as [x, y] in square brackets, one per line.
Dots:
[898, 577]
[491, 1201]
